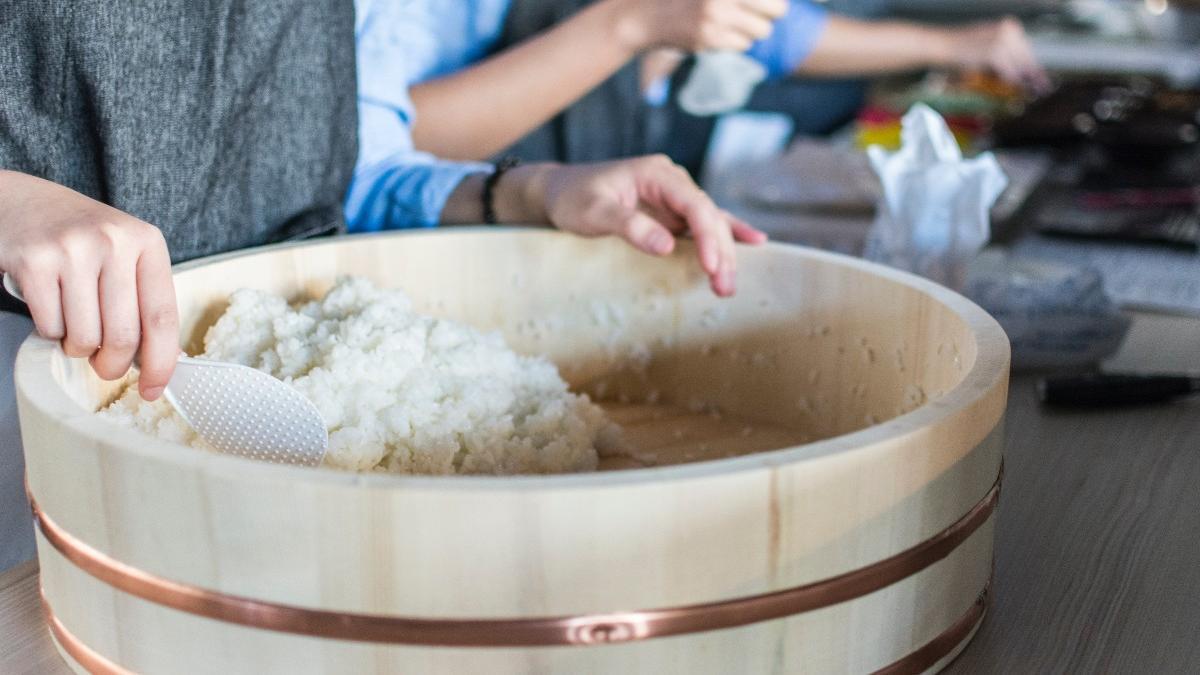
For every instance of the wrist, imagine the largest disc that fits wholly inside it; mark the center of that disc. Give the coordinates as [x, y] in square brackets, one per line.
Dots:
[520, 195]
[626, 24]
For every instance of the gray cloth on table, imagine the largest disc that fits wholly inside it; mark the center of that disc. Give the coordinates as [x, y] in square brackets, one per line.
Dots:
[227, 124]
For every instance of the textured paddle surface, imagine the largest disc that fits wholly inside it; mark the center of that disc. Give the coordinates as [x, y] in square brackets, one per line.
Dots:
[243, 411]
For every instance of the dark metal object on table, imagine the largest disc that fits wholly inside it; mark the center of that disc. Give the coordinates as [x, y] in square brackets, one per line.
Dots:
[1065, 215]
[1136, 120]
[1127, 161]
[1105, 390]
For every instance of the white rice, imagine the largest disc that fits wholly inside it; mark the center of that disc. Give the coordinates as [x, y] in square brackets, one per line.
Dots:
[399, 392]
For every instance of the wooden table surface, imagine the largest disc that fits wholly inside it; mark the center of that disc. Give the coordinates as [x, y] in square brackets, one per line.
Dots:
[25, 646]
[1098, 538]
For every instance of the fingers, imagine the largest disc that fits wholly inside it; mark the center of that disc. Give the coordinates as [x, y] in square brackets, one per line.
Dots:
[1023, 69]
[750, 26]
[1012, 62]
[708, 225]
[44, 299]
[648, 235]
[159, 319]
[81, 310]
[702, 218]
[1008, 71]
[735, 25]
[705, 225]
[745, 232]
[727, 39]
[94, 278]
[1032, 74]
[1039, 80]
[768, 9]
[724, 282]
[647, 201]
[120, 326]
[1015, 60]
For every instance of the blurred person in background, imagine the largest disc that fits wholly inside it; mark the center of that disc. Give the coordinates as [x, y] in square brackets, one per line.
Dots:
[492, 73]
[648, 199]
[560, 79]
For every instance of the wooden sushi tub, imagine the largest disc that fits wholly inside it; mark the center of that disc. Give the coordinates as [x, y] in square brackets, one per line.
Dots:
[862, 543]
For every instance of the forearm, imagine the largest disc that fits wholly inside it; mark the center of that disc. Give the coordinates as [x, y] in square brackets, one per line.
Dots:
[852, 47]
[518, 197]
[478, 112]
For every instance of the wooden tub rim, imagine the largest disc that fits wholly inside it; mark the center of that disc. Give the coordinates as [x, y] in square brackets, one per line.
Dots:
[35, 382]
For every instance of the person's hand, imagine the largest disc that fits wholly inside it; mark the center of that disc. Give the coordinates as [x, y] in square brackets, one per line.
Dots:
[657, 65]
[647, 201]
[95, 278]
[697, 25]
[1001, 47]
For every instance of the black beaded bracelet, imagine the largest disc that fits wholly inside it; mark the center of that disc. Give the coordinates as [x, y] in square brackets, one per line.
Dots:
[489, 188]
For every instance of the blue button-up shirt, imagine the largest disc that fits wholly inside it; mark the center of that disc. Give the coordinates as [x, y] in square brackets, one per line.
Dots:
[403, 42]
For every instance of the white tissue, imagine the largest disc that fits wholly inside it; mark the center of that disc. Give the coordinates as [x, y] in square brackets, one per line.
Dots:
[720, 82]
[934, 215]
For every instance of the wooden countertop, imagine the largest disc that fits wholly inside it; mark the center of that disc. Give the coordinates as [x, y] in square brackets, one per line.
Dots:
[27, 647]
[1098, 537]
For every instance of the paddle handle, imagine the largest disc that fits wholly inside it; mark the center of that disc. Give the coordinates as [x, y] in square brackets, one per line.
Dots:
[10, 285]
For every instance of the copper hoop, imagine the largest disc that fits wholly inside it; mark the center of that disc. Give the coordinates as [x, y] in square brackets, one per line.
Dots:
[91, 660]
[516, 632]
[914, 662]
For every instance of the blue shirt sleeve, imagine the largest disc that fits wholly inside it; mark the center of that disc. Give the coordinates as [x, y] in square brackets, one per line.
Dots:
[792, 40]
[395, 185]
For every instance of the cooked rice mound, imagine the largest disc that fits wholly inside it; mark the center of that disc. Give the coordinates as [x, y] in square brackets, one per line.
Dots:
[399, 392]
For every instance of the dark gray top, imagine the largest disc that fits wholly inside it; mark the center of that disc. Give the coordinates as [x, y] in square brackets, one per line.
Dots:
[608, 123]
[225, 123]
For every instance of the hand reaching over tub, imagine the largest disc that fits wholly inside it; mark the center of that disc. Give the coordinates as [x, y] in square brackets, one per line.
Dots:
[647, 201]
[95, 278]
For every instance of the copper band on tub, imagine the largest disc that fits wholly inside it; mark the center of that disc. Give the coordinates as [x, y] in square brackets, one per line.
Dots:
[918, 661]
[581, 629]
[913, 663]
[927, 655]
[92, 661]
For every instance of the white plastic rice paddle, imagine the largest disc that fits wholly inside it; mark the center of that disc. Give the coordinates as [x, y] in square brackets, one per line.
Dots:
[242, 411]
